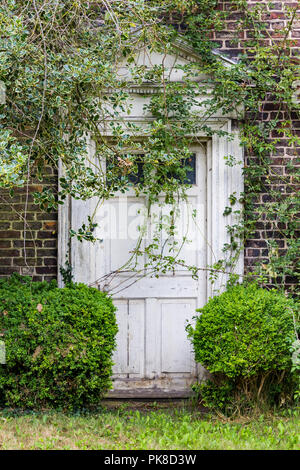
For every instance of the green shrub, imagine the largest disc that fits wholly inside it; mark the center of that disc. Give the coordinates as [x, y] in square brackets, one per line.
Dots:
[59, 344]
[243, 337]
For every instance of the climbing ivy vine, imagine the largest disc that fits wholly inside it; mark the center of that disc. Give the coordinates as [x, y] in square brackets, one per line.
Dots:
[59, 63]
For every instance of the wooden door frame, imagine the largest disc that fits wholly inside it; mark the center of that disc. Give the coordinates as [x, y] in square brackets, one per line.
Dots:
[222, 181]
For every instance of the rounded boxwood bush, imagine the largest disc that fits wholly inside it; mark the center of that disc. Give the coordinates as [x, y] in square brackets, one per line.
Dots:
[59, 344]
[243, 337]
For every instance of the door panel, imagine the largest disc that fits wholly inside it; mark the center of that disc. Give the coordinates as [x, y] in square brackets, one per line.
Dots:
[124, 223]
[176, 354]
[129, 356]
[153, 357]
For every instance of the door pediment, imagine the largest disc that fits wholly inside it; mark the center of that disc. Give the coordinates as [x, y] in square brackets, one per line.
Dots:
[179, 63]
[179, 55]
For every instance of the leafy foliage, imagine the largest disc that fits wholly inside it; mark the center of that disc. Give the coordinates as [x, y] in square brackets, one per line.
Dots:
[60, 63]
[243, 338]
[59, 344]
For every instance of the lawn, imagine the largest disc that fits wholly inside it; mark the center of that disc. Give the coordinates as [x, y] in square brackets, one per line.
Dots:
[149, 427]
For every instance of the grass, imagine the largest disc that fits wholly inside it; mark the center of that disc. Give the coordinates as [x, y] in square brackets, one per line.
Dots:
[150, 427]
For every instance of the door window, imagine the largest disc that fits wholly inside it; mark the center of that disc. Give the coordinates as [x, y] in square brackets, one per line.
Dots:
[136, 176]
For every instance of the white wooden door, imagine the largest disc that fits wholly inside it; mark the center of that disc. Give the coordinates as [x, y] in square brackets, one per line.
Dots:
[154, 357]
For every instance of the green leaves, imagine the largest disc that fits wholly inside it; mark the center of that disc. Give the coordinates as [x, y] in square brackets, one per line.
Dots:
[13, 159]
[85, 232]
[59, 344]
[243, 337]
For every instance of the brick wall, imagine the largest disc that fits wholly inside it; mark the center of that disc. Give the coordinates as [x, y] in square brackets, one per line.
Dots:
[256, 249]
[275, 19]
[41, 233]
